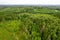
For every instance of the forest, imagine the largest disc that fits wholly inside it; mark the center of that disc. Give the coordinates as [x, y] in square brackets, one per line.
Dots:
[29, 23]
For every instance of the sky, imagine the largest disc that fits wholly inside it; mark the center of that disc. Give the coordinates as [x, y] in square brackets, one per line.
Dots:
[29, 2]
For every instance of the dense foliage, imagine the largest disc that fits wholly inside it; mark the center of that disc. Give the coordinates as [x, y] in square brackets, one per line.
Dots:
[29, 23]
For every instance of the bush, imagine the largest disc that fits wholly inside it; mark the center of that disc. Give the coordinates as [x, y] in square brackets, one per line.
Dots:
[33, 27]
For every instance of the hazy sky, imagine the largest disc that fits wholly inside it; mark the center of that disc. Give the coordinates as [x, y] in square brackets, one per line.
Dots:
[31, 2]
